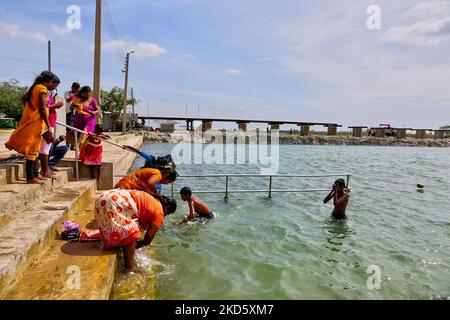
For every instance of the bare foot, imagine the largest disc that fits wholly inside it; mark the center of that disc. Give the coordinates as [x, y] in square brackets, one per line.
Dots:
[49, 176]
[41, 178]
[35, 181]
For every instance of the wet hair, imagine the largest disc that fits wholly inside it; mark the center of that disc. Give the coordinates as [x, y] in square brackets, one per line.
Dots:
[85, 89]
[340, 183]
[186, 191]
[44, 77]
[76, 85]
[98, 129]
[170, 203]
[170, 173]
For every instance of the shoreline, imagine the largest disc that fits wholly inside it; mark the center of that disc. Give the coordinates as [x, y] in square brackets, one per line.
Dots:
[296, 139]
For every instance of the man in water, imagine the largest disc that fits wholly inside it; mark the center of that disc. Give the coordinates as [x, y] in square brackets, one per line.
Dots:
[197, 208]
[340, 199]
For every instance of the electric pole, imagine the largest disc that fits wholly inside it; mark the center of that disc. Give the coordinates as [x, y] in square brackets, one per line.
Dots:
[125, 94]
[49, 55]
[132, 104]
[97, 54]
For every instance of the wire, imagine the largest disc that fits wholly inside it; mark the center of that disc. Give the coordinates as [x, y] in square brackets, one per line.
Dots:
[112, 31]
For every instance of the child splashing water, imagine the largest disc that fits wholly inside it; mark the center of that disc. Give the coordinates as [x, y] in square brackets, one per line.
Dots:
[197, 208]
[92, 150]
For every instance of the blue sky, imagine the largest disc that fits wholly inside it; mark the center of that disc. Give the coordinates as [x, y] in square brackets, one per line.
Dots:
[281, 60]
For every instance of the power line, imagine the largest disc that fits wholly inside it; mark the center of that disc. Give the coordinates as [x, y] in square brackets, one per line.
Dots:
[112, 31]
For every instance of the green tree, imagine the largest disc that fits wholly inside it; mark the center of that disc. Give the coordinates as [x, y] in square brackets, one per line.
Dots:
[11, 93]
[446, 127]
[112, 101]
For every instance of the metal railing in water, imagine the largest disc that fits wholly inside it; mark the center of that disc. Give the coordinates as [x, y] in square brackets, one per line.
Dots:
[270, 190]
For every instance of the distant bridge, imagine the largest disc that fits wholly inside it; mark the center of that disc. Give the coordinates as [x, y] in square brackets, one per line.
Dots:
[242, 123]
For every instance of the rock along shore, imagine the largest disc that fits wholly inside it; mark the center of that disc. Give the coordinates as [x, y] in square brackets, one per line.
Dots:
[292, 139]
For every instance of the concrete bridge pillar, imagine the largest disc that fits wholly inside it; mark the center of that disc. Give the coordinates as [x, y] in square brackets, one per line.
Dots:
[379, 132]
[242, 126]
[357, 132]
[401, 134]
[304, 130]
[332, 130]
[206, 125]
[439, 134]
[275, 126]
[420, 134]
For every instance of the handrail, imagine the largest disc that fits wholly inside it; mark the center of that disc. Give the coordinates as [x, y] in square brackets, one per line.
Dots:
[77, 174]
[270, 190]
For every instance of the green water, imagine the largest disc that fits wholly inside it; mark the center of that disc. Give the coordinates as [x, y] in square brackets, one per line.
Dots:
[289, 247]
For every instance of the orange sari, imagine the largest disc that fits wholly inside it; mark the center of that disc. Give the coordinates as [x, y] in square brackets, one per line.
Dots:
[138, 180]
[122, 215]
[26, 139]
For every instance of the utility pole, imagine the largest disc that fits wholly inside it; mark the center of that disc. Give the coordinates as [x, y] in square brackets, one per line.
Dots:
[148, 112]
[132, 116]
[125, 95]
[49, 55]
[97, 51]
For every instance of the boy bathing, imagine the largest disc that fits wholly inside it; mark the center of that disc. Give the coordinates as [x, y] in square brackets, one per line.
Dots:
[197, 208]
[340, 199]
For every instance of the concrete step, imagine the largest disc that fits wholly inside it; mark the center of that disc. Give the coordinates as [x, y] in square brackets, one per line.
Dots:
[18, 195]
[12, 171]
[27, 237]
[54, 275]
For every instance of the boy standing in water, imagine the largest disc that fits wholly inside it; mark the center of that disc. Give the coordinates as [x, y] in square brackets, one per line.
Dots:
[196, 207]
[340, 199]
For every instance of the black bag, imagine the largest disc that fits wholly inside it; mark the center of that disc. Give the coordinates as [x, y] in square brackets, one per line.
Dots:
[164, 162]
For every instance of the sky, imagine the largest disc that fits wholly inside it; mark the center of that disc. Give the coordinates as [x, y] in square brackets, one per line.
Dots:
[257, 59]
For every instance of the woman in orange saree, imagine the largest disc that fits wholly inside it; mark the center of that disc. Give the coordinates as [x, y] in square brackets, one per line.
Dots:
[27, 138]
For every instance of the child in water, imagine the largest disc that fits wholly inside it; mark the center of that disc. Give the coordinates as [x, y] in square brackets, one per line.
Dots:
[340, 199]
[92, 150]
[197, 208]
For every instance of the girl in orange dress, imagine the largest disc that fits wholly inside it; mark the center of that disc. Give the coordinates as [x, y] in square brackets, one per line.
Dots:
[122, 215]
[92, 150]
[27, 138]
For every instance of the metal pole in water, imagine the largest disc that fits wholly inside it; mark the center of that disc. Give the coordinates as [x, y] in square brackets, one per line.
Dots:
[348, 180]
[226, 188]
[172, 190]
[76, 156]
[270, 188]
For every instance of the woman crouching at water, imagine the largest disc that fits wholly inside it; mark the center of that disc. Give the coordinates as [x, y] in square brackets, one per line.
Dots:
[123, 214]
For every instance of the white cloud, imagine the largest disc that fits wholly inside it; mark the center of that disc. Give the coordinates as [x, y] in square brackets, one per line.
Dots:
[15, 32]
[61, 31]
[233, 72]
[430, 25]
[142, 49]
